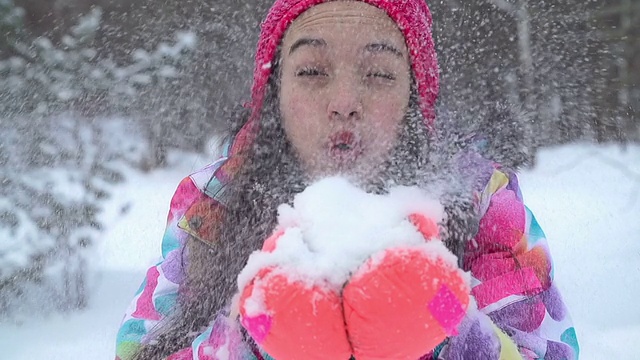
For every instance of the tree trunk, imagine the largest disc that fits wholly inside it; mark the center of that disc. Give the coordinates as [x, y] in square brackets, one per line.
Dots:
[623, 64]
[526, 54]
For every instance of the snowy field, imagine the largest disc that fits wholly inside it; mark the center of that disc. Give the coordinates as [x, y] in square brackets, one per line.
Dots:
[587, 199]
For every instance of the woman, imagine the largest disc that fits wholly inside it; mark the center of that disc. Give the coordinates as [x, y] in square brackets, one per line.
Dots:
[349, 88]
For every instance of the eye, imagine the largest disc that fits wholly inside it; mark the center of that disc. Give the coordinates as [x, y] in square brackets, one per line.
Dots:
[381, 75]
[311, 71]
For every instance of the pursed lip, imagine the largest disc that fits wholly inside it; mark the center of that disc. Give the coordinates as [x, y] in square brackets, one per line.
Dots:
[344, 146]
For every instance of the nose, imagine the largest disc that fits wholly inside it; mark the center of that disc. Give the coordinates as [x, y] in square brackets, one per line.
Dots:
[345, 100]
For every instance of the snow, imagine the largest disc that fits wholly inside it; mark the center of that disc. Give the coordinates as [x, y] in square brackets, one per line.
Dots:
[586, 197]
[188, 39]
[16, 254]
[331, 210]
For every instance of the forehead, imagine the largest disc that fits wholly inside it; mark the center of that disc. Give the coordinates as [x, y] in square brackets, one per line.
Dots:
[330, 19]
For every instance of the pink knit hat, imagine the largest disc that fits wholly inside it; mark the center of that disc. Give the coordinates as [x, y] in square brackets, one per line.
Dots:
[413, 19]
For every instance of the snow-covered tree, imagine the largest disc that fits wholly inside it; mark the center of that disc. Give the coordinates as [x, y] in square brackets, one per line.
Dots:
[11, 23]
[44, 78]
[154, 89]
[57, 166]
[52, 185]
[47, 79]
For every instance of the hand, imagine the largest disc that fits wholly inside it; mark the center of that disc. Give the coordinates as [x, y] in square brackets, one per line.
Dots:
[291, 319]
[401, 303]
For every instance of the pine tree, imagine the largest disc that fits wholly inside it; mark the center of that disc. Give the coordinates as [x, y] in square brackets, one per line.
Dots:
[47, 230]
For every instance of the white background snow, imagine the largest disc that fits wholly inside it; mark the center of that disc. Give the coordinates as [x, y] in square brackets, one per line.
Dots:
[587, 199]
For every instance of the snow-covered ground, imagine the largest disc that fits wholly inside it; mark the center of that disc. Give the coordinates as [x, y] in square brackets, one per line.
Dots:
[587, 199]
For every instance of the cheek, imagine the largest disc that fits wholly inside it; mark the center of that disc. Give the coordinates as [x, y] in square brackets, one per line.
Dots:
[294, 105]
[298, 118]
[387, 116]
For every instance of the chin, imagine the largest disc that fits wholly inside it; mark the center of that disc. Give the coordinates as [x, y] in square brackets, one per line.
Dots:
[360, 171]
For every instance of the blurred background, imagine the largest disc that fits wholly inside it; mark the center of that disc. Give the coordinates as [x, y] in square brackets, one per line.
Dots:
[91, 90]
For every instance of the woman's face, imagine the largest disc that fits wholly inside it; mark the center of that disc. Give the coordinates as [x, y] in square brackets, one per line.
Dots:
[345, 85]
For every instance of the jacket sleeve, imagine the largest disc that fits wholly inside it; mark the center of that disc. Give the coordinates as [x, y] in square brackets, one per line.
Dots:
[520, 313]
[159, 291]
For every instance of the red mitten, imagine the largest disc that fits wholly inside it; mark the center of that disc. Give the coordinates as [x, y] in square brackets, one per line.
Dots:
[401, 303]
[293, 319]
[404, 301]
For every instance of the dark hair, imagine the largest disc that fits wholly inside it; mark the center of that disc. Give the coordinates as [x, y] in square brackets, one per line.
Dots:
[269, 176]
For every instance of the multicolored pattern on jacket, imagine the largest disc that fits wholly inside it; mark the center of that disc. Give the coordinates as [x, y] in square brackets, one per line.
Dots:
[519, 313]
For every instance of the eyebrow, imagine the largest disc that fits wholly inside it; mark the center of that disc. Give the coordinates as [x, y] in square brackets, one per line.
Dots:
[308, 42]
[383, 47]
[378, 47]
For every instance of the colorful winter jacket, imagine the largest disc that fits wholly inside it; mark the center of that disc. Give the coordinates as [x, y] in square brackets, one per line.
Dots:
[519, 313]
